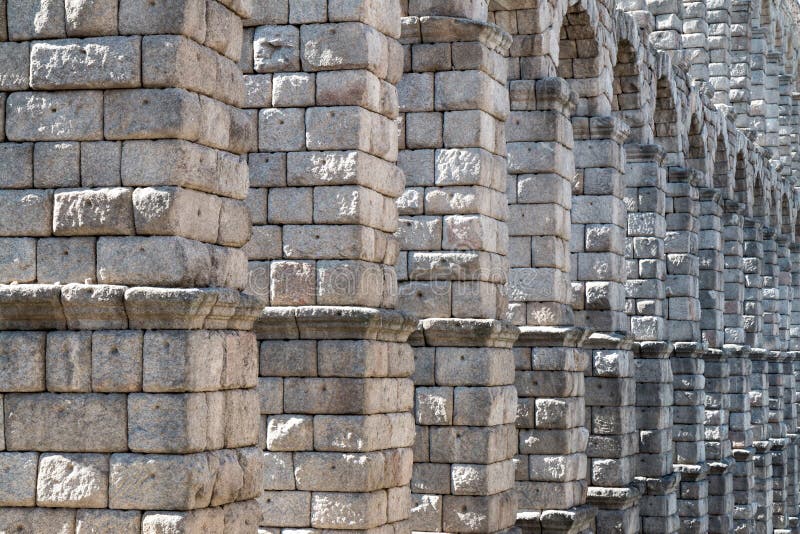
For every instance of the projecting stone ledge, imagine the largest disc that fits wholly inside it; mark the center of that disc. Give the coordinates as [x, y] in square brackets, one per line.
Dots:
[104, 307]
[334, 322]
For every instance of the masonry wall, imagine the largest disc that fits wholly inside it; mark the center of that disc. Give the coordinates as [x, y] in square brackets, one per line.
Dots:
[128, 368]
[394, 265]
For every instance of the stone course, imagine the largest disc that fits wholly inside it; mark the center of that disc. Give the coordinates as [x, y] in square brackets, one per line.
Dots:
[295, 266]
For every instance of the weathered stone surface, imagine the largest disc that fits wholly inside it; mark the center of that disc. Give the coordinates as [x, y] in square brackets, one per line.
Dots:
[18, 477]
[69, 362]
[60, 422]
[66, 260]
[73, 480]
[57, 521]
[90, 18]
[23, 362]
[35, 19]
[96, 63]
[17, 260]
[117, 361]
[26, 212]
[94, 212]
[160, 482]
[101, 521]
[57, 116]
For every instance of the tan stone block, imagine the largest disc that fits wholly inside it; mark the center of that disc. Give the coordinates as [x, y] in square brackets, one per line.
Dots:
[182, 361]
[354, 510]
[152, 114]
[223, 30]
[66, 260]
[95, 63]
[93, 212]
[57, 422]
[241, 418]
[18, 478]
[73, 481]
[53, 521]
[293, 283]
[176, 211]
[228, 474]
[69, 362]
[363, 433]
[117, 361]
[241, 360]
[290, 433]
[173, 423]
[55, 116]
[347, 395]
[286, 508]
[278, 471]
[103, 521]
[345, 46]
[242, 516]
[159, 262]
[177, 17]
[26, 213]
[86, 18]
[155, 481]
[22, 365]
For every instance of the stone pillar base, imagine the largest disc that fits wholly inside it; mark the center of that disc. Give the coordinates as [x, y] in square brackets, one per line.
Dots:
[693, 498]
[658, 506]
[336, 406]
[617, 509]
[573, 521]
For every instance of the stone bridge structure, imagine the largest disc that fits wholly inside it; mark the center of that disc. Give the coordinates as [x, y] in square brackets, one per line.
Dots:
[308, 266]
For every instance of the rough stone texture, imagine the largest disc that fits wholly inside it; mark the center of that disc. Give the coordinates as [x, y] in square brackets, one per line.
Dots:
[615, 180]
[101, 431]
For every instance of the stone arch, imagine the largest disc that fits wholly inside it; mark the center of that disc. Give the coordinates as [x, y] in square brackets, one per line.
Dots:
[759, 197]
[773, 212]
[786, 222]
[697, 148]
[722, 176]
[741, 185]
[666, 125]
[627, 101]
[764, 21]
[582, 58]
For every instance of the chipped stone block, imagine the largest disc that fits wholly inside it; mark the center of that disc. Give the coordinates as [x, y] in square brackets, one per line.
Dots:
[159, 481]
[55, 116]
[176, 211]
[276, 49]
[95, 63]
[106, 211]
[73, 480]
[36, 19]
[85, 18]
[209, 520]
